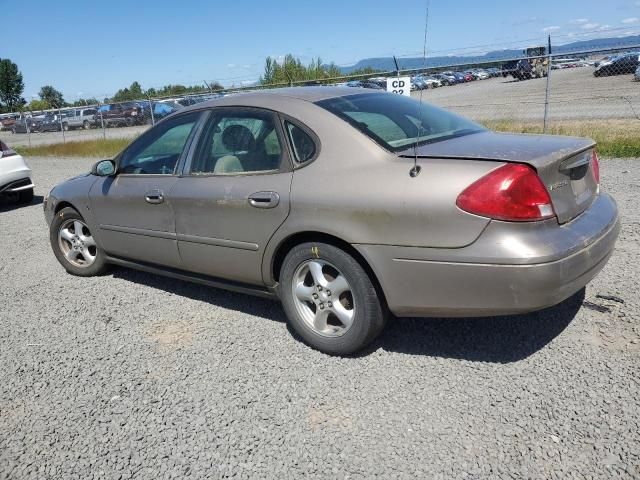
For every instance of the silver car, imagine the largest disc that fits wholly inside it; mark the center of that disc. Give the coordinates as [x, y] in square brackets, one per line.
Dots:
[347, 204]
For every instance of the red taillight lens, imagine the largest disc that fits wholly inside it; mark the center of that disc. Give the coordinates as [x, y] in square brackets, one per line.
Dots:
[513, 192]
[6, 151]
[595, 167]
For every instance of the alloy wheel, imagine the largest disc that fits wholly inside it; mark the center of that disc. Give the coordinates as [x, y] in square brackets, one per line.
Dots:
[323, 298]
[76, 243]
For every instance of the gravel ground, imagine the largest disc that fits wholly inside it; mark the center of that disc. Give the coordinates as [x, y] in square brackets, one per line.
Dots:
[575, 95]
[136, 376]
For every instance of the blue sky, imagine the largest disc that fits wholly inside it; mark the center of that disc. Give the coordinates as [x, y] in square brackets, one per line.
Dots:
[92, 48]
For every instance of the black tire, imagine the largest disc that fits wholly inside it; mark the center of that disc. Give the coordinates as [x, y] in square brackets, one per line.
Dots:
[86, 125]
[369, 314]
[99, 265]
[129, 122]
[65, 126]
[25, 196]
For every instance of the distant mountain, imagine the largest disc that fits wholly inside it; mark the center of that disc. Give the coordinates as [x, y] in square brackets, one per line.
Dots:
[386, 63]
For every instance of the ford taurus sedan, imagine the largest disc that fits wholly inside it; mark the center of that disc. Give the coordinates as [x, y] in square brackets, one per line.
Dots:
[347, 204]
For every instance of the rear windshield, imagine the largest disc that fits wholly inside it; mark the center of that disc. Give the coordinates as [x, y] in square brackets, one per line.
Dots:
[397, 122]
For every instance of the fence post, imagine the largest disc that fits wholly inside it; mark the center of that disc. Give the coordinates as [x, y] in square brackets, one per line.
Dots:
[153, 119]
[104, 134]
[64, 140]
[26, 124]
[546, 93]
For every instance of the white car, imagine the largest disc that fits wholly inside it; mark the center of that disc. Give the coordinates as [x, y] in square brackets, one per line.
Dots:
[15, 176]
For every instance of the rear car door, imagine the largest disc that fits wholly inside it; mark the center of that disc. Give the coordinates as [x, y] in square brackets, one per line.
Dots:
[233, 195]
[132, 208]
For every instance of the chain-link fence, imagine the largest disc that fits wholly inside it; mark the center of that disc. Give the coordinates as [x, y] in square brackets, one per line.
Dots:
[586, 93]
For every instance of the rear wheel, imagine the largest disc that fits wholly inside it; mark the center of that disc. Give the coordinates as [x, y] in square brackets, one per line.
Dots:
[329, 299]
[65, 126]
[86, 125]
[74, 245]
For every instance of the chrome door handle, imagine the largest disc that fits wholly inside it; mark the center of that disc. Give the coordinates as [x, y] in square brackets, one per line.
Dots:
[154, 197]
[264, 199]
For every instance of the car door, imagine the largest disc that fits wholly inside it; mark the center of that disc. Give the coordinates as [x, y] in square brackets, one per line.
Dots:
[133, 210]
[234, 194]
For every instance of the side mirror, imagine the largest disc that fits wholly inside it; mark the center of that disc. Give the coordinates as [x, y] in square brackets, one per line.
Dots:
[103, 168]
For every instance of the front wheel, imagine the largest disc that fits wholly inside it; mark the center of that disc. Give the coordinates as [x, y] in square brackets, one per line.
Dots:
[329, 299]
[74, 245]
[86, 125]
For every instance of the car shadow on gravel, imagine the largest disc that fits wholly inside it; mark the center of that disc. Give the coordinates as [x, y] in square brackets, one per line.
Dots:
[7, 205]
[502, 339]
[259, 307]
[488, 339]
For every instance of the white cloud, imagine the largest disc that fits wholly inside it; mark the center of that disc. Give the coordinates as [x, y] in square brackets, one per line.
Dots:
[631, 20]
[590, 26]
[579, 21]
[552, 28]
[231, 65]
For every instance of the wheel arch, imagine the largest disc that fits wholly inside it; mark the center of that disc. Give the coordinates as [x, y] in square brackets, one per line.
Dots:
[285, 246]
[64, 204]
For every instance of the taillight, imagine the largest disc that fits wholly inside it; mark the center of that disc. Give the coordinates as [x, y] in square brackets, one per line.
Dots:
[595, 166]
[513, 192]
[6, 151]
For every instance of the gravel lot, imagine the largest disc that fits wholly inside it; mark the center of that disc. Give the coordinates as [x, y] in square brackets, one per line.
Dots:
[575, 95]
[136, 376]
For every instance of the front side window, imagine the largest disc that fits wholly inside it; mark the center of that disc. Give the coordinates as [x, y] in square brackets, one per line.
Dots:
[238, 141]
[159, 150]
[396, 122]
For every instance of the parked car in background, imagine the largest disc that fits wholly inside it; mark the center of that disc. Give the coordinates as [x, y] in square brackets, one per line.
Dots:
[7, 121]
[160, 110]
[624, 64]
[27, 125]
[120, 114]
[79, 118]
[446, 80]
[432, 82]
[364, 84]
[418, 83]
[50, 123]
[636, 75]
[15, 176]
[494, 72]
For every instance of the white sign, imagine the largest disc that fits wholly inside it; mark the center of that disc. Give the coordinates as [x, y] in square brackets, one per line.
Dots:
[401, 85]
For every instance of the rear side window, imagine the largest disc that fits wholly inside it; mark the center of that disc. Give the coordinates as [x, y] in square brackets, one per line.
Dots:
[303, 146]
[236, 142]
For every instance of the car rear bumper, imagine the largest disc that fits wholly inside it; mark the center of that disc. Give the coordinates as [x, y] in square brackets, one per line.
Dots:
[16, 175]
[511, 268]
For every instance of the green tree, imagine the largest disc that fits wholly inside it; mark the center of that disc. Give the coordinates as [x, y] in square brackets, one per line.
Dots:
[11, 85]
[290, 70]
[35, 105]
[85, 101]
[52, 96]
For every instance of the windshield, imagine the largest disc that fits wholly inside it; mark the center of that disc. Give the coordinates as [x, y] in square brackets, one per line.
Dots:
[397, 122]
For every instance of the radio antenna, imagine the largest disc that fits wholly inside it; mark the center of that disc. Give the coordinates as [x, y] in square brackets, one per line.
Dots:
[415, 171]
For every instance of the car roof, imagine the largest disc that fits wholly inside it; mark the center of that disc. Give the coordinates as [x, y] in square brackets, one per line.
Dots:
[309, 94]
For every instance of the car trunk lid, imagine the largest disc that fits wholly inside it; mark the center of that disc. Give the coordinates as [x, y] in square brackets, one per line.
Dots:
[563, 163]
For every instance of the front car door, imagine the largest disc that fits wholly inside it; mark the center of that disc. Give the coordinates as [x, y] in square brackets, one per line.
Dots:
[132, 208]
[234, 194]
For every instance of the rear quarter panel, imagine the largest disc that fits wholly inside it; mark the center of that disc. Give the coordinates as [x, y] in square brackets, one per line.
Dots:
[357, 191]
